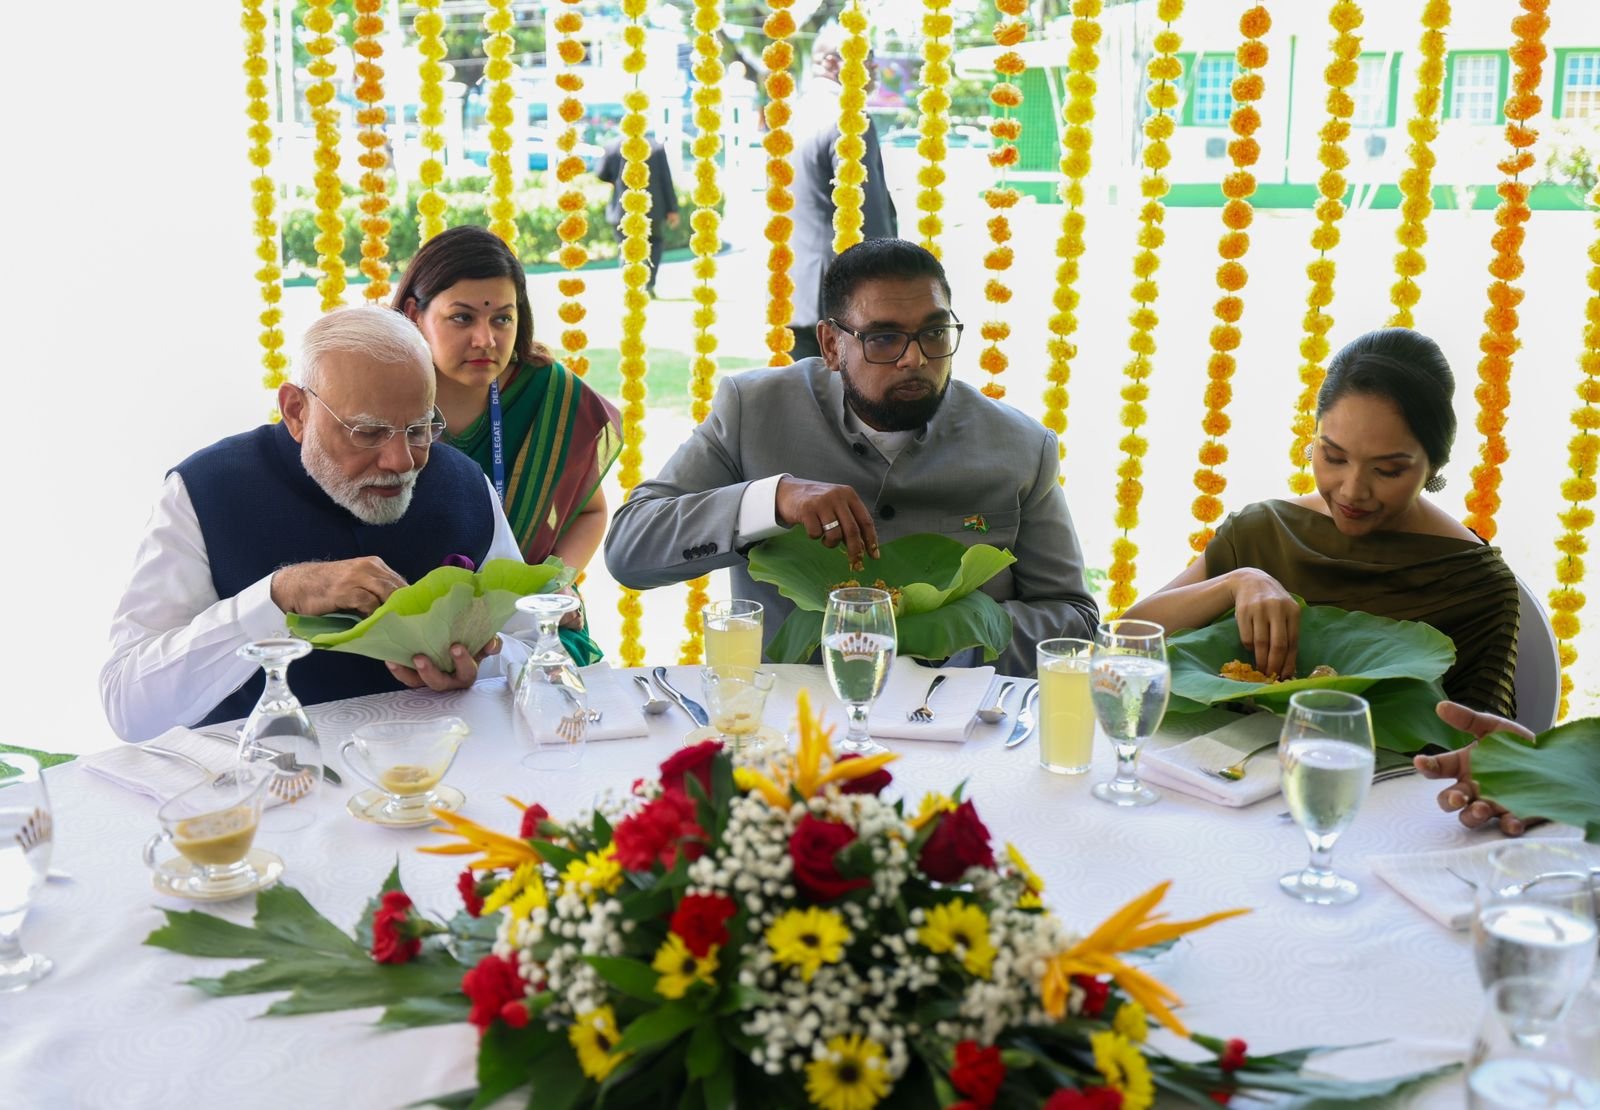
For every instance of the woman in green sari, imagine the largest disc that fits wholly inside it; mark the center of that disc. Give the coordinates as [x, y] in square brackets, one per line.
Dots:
[1368, 539]
[542, 436]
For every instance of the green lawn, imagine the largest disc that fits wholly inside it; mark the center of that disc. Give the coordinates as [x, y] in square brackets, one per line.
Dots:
[667, 380]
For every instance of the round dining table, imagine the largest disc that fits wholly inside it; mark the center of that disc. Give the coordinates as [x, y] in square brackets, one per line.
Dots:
[116, 1025]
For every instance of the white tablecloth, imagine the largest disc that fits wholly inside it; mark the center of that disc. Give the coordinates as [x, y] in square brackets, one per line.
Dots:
[115, 1026]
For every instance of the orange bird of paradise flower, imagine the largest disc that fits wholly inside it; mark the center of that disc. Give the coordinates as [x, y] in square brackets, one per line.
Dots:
[499, 850]
[812, 767]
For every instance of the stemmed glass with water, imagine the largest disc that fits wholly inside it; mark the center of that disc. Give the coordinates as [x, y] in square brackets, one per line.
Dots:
[858, 646]
[1130, 682]
[551, 704]
[280, 736]
[1326, 754]
[25, 839]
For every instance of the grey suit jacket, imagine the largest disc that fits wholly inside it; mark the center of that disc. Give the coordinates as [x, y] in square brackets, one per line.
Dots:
[976, 457]
[816, 160]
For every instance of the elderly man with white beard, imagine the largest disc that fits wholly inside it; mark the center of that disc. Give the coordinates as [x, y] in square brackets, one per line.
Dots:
[332, 509]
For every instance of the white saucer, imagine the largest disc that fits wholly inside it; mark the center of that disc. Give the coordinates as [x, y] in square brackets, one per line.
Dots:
[368, 806]
[174, 876]
[766, 734]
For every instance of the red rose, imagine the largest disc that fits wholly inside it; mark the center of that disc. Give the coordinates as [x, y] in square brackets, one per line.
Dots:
[1221, 1098]
[492, 985]
[866, 784]
[958, 842]
[1090, 1098]
[1096, 993]
[530, 820]
[813, 846]
[694, 760]
[467, 884]
[656, 833]
[700, 920]
[393, 942]
[978, 1072]
[1232, 1058]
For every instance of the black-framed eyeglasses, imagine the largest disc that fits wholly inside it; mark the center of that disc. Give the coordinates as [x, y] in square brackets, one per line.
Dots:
[372, 436]
[938, 341]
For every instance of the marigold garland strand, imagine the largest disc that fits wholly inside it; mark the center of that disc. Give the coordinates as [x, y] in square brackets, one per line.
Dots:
[497, 44]
[848, 195]
[1345, 16]
[370, 117]
[1499, 342]
[1416, 181]
[779, 144]
[1005, 128]
[705, 241]
[934, 125]
[1583, 455]
[574, 225]
[265, 190]
[431, 205]
[319, 96]
[1076, 141]
[1244, 151]
[635, 227]
[1164, 70]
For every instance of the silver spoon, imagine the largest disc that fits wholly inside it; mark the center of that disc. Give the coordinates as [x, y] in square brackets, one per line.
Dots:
[652, 705]
[994, 714]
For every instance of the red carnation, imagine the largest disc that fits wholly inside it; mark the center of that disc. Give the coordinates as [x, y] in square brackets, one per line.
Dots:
[978, 1072]
[492, 985]
[395, 938]
[964, 1104]
[515, 1014]
[866, 784]
[1221, 1098]
[1096, 993]
[656, 832]
[958, 842]
[812, 847]
[700, 920]
[1232, 1058]
[694, 760]
[467, 884]
[1090, 1098]
[530, 820]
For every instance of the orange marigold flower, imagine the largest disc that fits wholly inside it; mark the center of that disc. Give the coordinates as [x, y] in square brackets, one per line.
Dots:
[996, 292]
[1006, 95]
[1255, 22]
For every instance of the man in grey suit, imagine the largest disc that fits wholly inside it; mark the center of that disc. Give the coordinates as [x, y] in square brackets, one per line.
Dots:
[871, 441]
[816, 161]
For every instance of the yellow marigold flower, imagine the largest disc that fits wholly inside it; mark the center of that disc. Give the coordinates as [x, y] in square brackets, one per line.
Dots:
[592, 1036]
[599, 870]
[852, 1074]
[807, 939]
[1124, 1069]
[680, 969]
[525, 879]
[962, 930]
[1131, 1021]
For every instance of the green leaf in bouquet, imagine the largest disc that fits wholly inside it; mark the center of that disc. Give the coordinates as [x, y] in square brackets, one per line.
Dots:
[705, 1050]
[506, 1057]
[448, 605]
[1556, 775]
[415, 1013]
[659, 1026]
[940, 611]
[555, 855]
[634, 978]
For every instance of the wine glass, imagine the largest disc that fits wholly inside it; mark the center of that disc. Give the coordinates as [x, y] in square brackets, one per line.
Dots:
[1535, 1047]
[280, 735]
[24, 861]
[1325, 751]
[550, 703]
[858, 644]
[1130, 682]
[1535, 914]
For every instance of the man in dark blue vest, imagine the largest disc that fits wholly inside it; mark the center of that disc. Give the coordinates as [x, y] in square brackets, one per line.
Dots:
[333, 509]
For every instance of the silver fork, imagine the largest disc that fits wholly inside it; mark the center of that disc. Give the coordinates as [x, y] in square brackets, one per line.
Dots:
[922, 714]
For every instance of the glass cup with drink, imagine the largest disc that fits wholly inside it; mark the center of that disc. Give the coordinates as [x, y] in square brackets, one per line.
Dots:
[736, 699]
[1130, 682]
[213, 827]
[732, 633]
[1326, 755]
[404, 762]
[1066, 709]
[1535, 914]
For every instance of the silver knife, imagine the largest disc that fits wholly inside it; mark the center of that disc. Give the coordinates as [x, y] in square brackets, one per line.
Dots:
[328, 773]
[696, 711]
[1025, 717]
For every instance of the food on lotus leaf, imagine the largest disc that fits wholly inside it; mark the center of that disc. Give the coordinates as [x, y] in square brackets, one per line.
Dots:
[894, 592]
[1323, 671]
[1240, 671]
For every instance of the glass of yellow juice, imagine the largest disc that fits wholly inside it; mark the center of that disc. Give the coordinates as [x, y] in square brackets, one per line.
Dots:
[213, 827]
[732, 633]
[1066, 712]
[404, 762]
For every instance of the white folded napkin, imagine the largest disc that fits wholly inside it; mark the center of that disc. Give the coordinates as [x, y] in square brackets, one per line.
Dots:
[953, 704]
[1179, 767]
[1424, 878]
[618, 699]
[159, 776]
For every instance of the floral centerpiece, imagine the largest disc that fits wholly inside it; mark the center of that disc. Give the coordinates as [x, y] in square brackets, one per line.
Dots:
[762, 929]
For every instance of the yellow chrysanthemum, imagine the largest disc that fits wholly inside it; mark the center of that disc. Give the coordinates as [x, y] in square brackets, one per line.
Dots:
[680, 969]
[851, 1075]
[961, 929]
[526, 879]
[592, 1037]
[1131, 1021]
[1030, 878]
[807, 939]
[595, 873]
[1124, 1069]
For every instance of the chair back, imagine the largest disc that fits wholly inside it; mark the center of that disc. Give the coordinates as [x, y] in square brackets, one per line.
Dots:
[1538, 677]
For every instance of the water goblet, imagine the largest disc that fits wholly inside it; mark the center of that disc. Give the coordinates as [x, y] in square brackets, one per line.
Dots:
[278, 734]
[25, 840]
[550, 703]
[1535, 913]
[1130, 682]
[1326, 753]
[1534, 1047]
[732, 631]
[858, 645]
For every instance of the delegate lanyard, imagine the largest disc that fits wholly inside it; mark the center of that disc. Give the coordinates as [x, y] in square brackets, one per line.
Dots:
[497, 444]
